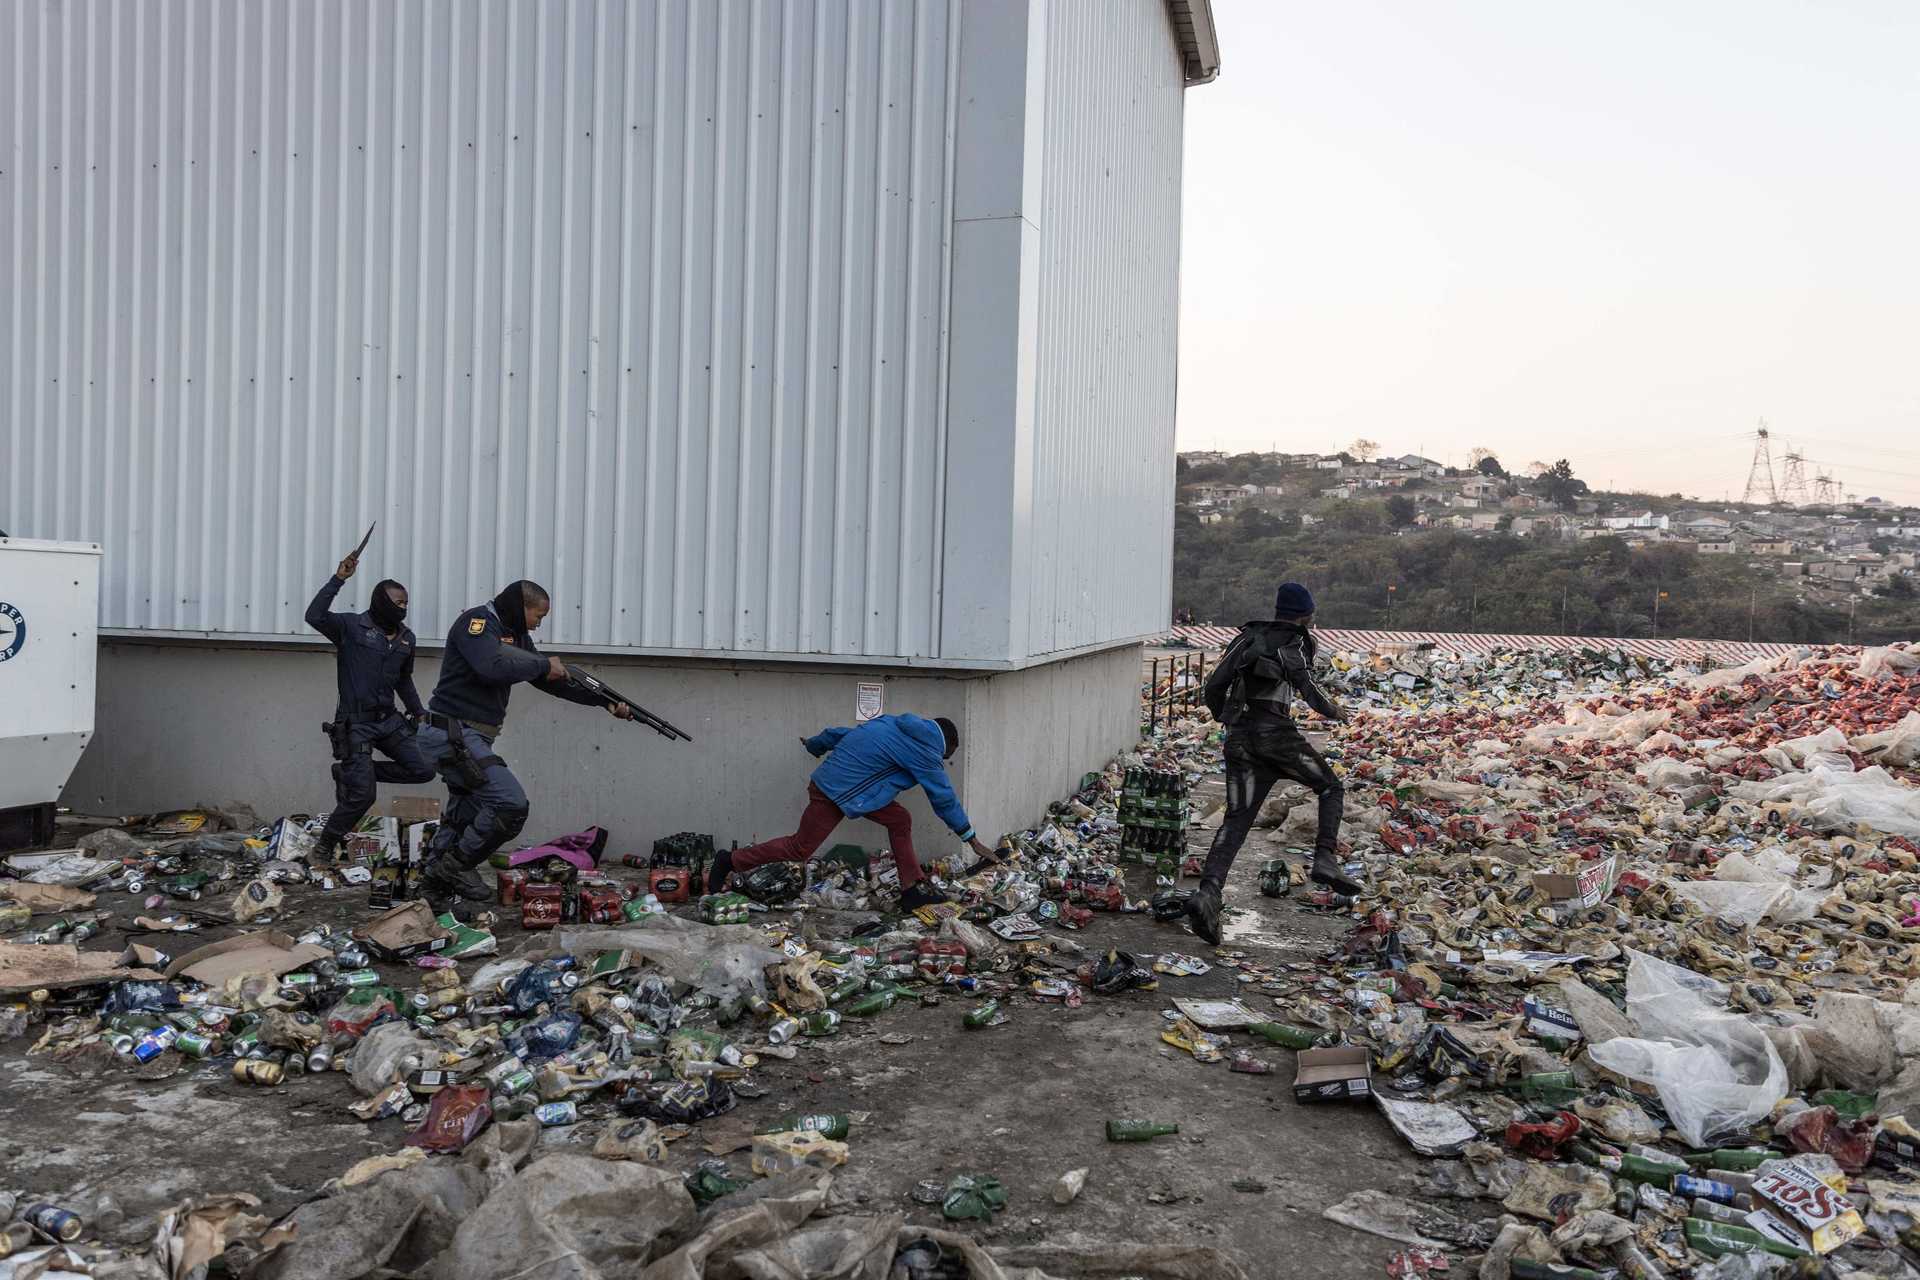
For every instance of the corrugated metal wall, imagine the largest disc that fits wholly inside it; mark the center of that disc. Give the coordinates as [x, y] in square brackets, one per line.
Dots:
[1102, 521]
[642, 300]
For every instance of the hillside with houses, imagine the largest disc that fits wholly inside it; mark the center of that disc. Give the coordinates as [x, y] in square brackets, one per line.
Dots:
[1815, 571]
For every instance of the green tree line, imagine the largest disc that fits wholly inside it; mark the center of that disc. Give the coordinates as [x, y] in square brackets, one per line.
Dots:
[1448, 581]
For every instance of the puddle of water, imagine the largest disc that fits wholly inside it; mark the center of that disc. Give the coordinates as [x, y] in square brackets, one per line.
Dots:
[1242, 927]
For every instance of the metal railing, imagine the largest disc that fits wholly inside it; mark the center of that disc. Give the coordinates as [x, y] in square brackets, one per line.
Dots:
[1172, 686]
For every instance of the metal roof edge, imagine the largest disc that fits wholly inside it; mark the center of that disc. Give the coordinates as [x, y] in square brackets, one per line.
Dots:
[1199, 39]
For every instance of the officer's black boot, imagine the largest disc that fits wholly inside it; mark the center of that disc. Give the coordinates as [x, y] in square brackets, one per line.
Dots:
[1203, 912]
[446, 882]
[1327, 871]
[326, 851]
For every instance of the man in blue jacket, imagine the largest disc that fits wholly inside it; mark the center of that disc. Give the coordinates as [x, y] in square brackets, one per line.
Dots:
[374, 662]
[866, 768]
[489, 650]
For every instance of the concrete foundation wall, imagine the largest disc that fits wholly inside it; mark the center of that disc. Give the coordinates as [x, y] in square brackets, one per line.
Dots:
[180, 723]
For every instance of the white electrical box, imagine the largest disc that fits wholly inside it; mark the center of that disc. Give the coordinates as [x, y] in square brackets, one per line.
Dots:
[49, 640]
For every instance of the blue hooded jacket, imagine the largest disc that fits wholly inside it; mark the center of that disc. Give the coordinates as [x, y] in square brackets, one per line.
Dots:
[874, 762]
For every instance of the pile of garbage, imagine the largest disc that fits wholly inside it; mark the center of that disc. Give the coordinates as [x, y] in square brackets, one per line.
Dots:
[1424, 677]
[1636, 966]
[626, 1011]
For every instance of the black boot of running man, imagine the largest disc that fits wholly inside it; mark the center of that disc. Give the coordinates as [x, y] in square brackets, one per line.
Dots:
[1328, 871]
[1203, 912]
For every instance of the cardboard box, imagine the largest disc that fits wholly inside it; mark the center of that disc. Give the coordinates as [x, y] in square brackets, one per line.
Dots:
[1823, 1218]
[1333, 1075]
[411, 809]
[1588, 887]
[407, 931]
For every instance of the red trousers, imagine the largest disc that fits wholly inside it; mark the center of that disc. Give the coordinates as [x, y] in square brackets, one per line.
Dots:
[817, 823]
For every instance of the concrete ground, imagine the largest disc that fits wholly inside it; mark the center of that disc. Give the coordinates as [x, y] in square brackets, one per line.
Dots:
[1025, 1101]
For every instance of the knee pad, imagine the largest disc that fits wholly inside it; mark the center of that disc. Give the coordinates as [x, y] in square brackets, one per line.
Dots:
[509, 822]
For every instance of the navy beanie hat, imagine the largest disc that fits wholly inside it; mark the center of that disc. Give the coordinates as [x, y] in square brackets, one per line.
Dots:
[1292, 601]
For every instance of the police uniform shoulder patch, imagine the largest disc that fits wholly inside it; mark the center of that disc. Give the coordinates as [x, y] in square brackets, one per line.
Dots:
[476, 626]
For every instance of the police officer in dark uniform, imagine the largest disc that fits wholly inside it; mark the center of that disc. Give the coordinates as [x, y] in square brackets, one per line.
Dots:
[489, 650]
[375, 661]
[1251, 691]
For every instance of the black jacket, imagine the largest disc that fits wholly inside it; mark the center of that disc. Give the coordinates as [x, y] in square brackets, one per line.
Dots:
[370, 668]
[1258, 675]
[483, 662]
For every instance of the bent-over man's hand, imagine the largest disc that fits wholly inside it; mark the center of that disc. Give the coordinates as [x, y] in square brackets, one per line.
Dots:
[556, 669]
[620, 711]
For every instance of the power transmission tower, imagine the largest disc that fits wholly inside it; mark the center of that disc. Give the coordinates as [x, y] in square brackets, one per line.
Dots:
[1826, 490]
[1760, 474]
[1793, 488]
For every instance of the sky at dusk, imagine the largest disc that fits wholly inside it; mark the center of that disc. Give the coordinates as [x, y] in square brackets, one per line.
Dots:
[1622, 234]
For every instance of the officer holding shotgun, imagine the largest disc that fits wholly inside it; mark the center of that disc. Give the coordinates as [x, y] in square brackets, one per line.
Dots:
[489, 650]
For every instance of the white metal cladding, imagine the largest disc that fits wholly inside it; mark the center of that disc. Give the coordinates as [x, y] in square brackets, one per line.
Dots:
[1102, 516]
[642, 300]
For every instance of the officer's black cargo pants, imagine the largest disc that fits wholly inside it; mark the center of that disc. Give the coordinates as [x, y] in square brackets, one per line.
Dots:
[355, 773]
[1260, 753]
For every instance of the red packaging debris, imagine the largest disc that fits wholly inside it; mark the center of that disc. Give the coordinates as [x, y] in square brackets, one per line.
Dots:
[454, 1118]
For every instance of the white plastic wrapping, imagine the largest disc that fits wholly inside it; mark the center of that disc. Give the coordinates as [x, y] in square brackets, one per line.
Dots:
[1716, 1072]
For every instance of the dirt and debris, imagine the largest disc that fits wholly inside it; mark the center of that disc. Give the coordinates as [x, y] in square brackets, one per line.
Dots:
[1626, 994]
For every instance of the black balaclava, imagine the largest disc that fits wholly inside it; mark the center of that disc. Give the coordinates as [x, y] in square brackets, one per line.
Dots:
[385, 613]
[511, 604]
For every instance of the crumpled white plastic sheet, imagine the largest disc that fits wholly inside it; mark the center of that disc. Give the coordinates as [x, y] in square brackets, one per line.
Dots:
[1829, 800]
[1715, 1071]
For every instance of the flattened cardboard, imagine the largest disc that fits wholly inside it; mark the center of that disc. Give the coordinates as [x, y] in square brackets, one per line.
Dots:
[1217, 1015]
[411, 809]
[1333, 1075]
[26, 966]
[267, 951]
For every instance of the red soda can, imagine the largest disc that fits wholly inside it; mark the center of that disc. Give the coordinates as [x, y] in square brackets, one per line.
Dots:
[512, 884]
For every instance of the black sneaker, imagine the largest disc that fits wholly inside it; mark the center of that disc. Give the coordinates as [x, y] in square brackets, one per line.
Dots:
[1327, 871]
[719, 869]
[920, 894]
[1203, 913]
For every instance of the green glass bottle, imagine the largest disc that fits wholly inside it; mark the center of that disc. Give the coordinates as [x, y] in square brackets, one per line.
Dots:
[824, 1023]
[1137, 1130]
[1641, 1169]
[1718, 1238]
[826, 1124]
[981, 1016]
[868, 1005]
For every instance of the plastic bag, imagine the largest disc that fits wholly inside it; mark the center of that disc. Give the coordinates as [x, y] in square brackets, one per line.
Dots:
[383, 1055]
[1899, 745]
[1826, 741]
[1885, 661]
[1828, 800]
[1747, 903]
[700, 955]
[1716, 1072]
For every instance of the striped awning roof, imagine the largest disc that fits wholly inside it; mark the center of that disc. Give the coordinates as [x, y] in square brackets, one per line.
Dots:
[1338, 641]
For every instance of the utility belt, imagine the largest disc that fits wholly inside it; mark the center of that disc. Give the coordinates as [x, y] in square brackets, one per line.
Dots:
[339, 730]
[466, 769]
